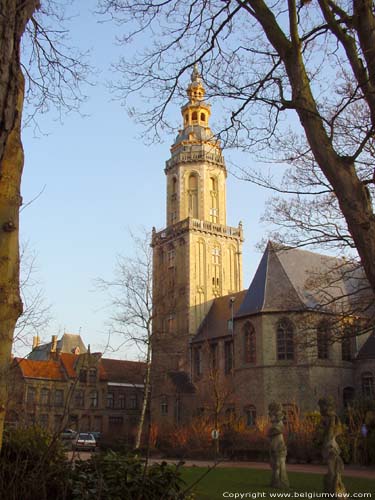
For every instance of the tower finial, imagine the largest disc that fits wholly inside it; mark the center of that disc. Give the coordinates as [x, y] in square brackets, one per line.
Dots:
[195, 76]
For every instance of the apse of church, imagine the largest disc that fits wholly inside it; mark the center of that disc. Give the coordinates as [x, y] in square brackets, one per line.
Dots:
[197, 257]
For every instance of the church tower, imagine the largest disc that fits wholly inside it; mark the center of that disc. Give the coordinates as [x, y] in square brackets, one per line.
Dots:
[197, 257]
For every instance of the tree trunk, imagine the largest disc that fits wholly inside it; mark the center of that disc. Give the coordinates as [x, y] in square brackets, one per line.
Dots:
[13, 18]
[352, 195]
[145, 397]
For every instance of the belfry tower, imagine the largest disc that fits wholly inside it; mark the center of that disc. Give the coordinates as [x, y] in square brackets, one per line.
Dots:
[197, 257]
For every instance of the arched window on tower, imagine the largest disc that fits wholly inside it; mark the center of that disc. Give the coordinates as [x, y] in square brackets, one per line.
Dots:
[367, 380]
[193, 196]
[194, 116]
[214, 200]
[285, 340]
[249, 339]
[323, 334]
[203, 117]
[173, 200]
[216, 270]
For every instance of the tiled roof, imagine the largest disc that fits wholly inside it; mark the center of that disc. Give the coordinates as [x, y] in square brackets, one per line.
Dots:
[67, 343]
[69, 362]
[131, 372]
[181, 381]
[289, 279]
[48, 370]
[215, 324]
[367, 351]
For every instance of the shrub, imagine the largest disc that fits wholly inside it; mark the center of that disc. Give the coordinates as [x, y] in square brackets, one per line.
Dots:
[32, 465]
[124, 477]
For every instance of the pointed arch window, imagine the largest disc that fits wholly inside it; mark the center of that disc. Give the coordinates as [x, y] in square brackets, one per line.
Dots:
[249, 339]
[216, 267]
[285, 340]
[323, 334]
[367, 380]
[193, 196]
[214, 200]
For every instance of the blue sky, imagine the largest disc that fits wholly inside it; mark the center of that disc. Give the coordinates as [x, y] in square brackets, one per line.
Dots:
[100, 180]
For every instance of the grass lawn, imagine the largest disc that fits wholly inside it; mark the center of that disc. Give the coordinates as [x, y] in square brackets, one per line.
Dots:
[236, 480]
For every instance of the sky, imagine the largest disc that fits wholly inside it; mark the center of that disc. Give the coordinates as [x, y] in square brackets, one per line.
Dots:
[98, 179]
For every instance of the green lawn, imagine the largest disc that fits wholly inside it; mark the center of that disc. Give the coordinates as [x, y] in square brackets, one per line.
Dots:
[236, 480]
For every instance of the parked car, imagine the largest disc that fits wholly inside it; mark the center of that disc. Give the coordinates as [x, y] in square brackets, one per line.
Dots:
[97, 436]
[68, 434]
[84, 441]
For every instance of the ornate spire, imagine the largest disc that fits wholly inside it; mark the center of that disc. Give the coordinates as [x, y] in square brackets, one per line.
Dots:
[195, 90]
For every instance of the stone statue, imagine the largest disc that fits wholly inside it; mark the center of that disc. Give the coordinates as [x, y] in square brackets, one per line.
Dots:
[278, 450]
[331, 450]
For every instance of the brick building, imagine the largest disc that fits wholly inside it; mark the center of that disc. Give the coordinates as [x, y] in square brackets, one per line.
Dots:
[81, 391]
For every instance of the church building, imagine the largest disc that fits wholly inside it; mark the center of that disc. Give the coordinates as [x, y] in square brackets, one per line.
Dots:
[212, 337]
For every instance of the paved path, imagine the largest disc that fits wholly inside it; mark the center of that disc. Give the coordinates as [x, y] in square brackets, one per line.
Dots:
[366, 472]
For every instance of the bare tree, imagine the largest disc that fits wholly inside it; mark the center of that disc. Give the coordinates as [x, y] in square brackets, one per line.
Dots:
[53, 74]
[130, 295]
[313, 60]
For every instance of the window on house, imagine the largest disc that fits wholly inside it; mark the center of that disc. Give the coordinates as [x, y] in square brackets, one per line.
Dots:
[59, 397]
[31, 395]
[133, 402]
[121, 401]
[92, 376]
[249, 339]
[285, 340]
[213, 356]
[94, 399]
[44, 396]
[197, 351]
[43, 420]
[367, 380]
[322, 338]
[83, 375]
[110, 400]
[348, 395]
[164, 407]
[116, 421]
[228, 357]
[79, 399]
[250, 415]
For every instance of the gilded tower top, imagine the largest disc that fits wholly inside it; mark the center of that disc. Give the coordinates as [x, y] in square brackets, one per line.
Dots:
[195, 90]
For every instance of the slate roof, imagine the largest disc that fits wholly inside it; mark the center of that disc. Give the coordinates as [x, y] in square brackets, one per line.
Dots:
[47, 370]
[215, 324]
[117, 370]
[367, 351]
[67, 343]
[290, 279]
[182, 382]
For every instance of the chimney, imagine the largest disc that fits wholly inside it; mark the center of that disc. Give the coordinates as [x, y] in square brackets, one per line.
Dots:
[54, 343]
[36, 341]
